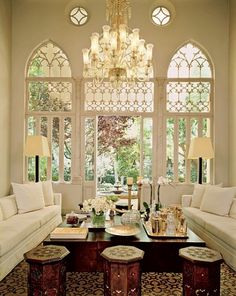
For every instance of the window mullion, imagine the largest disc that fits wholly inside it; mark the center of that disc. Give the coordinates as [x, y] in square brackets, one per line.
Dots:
[176, 148]
[188, 136]
[49, 136]
[61, 149]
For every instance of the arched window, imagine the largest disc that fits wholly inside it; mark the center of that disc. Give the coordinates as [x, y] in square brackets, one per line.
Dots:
[49, 109]
[189, 111]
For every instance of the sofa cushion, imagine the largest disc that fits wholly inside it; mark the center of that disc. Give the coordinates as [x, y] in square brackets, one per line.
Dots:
[198, 193]
[46, 214]
[29, 197]
[225, 229]
[48, 193]
[232, 212]
[196, 215]
[16, 229]
[8, 206]
[217, 200]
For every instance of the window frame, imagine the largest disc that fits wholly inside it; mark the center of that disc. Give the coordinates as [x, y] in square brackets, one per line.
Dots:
[50, 115]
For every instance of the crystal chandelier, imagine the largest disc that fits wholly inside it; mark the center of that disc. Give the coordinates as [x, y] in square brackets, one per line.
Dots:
[118, 54]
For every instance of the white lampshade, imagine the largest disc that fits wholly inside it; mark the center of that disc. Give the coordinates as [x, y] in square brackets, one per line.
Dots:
[201, 147]
[37, 145]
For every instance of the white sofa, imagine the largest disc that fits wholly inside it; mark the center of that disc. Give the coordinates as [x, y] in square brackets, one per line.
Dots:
[216, 223]
[19, 233]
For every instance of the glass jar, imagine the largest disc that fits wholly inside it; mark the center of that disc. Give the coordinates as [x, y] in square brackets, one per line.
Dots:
[171, 226]
[72, 219]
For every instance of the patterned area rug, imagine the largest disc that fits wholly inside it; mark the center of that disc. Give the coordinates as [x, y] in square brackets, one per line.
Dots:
[91, 284]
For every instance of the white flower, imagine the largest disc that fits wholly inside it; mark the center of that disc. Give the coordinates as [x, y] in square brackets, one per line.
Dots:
[163, 181]
[98, 205]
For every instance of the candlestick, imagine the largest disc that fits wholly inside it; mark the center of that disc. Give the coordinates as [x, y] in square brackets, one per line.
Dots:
[130, 181]
[139, 192]
[129, 196]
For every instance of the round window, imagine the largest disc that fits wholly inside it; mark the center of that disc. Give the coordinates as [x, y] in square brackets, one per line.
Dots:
[161, 16]
[78, 16]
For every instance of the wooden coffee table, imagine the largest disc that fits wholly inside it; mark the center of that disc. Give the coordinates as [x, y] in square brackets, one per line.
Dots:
[161, 255]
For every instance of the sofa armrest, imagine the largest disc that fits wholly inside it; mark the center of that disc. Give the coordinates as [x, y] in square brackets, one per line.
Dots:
[57, 199]
[186, 200]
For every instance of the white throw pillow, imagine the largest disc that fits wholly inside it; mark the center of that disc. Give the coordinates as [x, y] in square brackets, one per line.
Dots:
[218, 200]
[29, 197]
[198, 192]
[8, 206]
[48, 193]
[197, 195]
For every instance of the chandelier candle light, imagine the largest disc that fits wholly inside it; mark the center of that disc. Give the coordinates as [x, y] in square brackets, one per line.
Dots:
[118, 54]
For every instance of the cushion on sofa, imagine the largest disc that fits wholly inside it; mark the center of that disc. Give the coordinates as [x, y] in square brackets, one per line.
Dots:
[232, 212]
[218, 200]
[45, 214]
[198, 193]
[223, 229]
[48, 193]
[8, 206]
[29, 197]
[16, 229]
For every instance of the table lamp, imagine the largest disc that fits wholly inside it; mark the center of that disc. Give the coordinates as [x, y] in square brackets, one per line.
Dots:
[37, 146]
[200, 148]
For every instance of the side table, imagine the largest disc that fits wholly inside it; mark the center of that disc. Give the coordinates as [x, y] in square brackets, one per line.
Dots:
[201, 271]
[122, 272]
[47, 270]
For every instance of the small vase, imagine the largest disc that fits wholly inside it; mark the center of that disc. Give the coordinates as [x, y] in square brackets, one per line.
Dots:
[98, 220]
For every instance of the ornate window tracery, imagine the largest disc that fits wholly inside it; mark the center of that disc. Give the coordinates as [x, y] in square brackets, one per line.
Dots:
[189, 111]
[49, 110]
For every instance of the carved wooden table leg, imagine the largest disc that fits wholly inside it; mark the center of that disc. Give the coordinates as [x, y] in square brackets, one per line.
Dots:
[201, 271]
[122, 272]
[47, 270]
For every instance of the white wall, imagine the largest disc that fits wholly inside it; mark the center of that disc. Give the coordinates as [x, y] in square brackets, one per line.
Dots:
[232, 94]
[5, 79]
[203, 21]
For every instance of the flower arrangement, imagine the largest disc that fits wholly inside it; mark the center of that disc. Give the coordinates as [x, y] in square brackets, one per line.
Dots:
[98, 205]
[161, 181]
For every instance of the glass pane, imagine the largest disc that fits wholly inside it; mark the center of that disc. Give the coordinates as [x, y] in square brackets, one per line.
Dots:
[206, 162]
[137, 98]
[194, 162]
[118, 155]
[147, 148]
[31, 125]
[67, 149]
[78, 16]
[170, 148]
[89, 149]
[44, 126]
[188, 96]
[50, 96]
[31, 169]
[49, 61]
[161, 16]
[55, 149]
[182, 150]
[189, 62]
[43, 168]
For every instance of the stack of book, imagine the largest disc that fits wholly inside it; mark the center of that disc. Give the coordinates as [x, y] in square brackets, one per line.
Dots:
[69, 233]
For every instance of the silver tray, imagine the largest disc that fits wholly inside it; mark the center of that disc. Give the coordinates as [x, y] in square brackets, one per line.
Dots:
[148, 229]
[123, 230]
